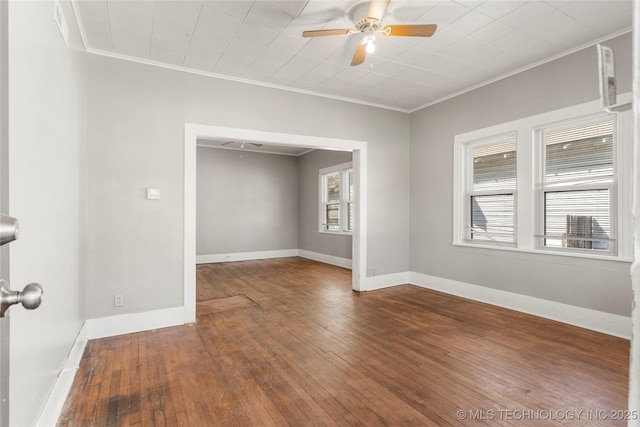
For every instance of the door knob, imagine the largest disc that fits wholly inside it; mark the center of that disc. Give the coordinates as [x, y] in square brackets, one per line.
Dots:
[9, 229]
[30, 297]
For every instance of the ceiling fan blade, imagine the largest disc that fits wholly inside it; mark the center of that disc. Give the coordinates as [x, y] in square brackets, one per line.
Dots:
[337, 32]
[227, 143]
[377, 9]
[256, 144]
[361, 53]
[409, 30]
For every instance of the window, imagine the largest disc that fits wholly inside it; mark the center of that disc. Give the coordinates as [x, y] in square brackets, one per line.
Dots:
[336, 199]
[558, 182]
[349, 200]
[578, 185]
[491, 190]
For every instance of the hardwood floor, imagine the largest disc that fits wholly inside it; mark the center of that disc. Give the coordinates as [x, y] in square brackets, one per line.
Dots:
[288, 343]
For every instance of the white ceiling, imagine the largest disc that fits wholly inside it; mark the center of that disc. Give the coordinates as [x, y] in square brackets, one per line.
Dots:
[260, 41]
[258, 148]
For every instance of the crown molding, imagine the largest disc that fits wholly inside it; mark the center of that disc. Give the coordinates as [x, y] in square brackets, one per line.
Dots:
[525, 68]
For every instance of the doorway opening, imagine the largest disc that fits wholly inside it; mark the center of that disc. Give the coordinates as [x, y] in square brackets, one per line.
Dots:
[194, 132]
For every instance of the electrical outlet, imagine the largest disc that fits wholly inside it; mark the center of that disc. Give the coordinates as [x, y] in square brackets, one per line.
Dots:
[118, 300]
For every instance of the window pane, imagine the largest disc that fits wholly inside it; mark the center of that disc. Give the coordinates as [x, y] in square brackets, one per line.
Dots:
[492, 218]
[494, 166]
[349, 175]
[350, 216]
[332, 187]
[332, 217]
[570, 215]
[579, 155]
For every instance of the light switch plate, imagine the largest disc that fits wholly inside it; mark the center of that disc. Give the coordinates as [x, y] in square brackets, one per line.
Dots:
[153, 193]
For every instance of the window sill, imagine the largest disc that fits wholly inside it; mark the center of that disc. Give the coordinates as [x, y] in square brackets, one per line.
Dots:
[545, 252]
[336, 233]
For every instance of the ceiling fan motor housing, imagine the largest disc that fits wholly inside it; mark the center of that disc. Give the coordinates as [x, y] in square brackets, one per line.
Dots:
[368, 26]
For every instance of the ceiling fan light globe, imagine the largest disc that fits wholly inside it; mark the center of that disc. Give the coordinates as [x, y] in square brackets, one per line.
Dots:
[371, 47]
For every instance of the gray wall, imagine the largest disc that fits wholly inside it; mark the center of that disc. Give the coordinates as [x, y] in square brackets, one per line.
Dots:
[309, 238]
[246, 202]
[595, 284]
[135, 140]
[47, 125]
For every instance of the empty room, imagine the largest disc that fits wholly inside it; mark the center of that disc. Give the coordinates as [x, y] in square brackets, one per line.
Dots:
[311, 212]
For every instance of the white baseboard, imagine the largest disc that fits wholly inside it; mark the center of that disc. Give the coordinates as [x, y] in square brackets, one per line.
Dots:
[611, 324]
[386, 281]
[245, 256]
[134, 322]
[55, 403]
[327, 259]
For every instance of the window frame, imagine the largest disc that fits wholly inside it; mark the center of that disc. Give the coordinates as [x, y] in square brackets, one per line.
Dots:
[471, 192]
[529, 175]
[543, 188]
[343, 170]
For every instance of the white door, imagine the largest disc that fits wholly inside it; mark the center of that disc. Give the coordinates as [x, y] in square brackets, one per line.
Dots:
[32, 294]
[4, 199]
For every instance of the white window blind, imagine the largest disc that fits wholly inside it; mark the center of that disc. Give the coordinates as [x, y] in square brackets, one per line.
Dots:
[577, 186]
[491, 195]
[579, 155]
[494, 166]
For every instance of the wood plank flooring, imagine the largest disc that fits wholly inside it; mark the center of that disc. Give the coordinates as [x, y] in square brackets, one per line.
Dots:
[289, 344]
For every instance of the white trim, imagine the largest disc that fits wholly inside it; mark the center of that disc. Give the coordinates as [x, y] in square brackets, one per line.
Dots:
[546, 251]
[130, 323]
[242, 80]
[62, 386]
[245, 256]
[61, 22]
[76, 17]
[336, 168]
[359, 236]
[327, 259]
[634, 230]
[607, 323]
[189, 249]
[387, 280]
[194, 131]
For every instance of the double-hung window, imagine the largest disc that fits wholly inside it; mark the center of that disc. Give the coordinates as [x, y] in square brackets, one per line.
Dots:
[578, 185]
[558, 182]
[336, 199]
[491, 190]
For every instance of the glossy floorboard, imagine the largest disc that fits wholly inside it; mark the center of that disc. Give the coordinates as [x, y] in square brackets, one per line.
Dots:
[288, 343]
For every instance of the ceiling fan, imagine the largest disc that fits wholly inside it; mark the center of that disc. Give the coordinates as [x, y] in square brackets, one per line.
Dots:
[242, 144]
[371, 25]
